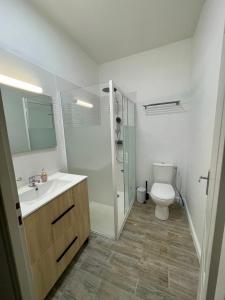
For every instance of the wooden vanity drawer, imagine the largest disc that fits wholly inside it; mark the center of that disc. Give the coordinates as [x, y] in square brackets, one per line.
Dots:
[54, 261]
[80, 196]
[38, 231]
[65, 249]
[54, 234]
[48, 223]
[44, 273]
[64, 214]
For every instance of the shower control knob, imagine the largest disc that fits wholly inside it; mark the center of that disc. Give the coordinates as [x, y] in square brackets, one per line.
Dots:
[118, 119]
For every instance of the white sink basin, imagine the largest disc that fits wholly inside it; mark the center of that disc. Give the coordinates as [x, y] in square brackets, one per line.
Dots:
[32, 198]
[36, 193]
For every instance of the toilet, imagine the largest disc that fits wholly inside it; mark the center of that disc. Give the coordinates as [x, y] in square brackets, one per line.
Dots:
[162, 191]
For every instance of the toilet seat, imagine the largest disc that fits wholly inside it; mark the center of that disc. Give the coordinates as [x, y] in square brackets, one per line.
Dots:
[162, 192]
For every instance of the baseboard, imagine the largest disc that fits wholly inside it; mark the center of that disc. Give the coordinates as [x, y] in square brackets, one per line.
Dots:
[193, 232]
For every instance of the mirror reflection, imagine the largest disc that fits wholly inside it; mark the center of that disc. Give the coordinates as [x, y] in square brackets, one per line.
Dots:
[29, 120]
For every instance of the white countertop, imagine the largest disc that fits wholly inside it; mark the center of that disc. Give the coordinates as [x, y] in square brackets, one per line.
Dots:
[32, 199]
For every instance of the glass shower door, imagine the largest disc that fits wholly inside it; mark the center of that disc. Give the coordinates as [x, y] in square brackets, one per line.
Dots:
[126, 155]
[129, 153]
[87, 131]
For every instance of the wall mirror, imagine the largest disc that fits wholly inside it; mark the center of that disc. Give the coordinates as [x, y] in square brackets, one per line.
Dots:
[29, 120]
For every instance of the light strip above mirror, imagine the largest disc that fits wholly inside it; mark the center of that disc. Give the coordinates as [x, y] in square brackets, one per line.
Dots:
[84, 103]
[20, 84]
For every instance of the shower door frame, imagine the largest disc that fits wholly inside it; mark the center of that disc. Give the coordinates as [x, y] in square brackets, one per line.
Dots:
[113, 153]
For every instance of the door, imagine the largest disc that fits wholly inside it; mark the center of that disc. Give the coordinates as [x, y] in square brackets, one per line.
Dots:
[9, 284]
[9, 198]
[214, 219]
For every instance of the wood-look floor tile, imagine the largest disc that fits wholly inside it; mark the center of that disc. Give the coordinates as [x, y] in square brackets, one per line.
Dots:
[97, 252]
[159, 253]
[153, 259]
[133, 236]
[78, 285]
[83, 286]
[148, 291]
[183, 282]
[182, 258]
[121, 278]
[128, 247]
[61, 295]
[110, 291]
[93, 266]
[112, 273]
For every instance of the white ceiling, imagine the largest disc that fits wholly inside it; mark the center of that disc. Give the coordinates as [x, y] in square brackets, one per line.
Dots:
[111, 29]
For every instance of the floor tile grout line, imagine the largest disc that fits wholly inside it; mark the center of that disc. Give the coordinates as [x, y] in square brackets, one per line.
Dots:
[136, 286]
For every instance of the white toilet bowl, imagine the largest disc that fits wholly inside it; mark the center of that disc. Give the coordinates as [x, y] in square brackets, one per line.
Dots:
[163, 195]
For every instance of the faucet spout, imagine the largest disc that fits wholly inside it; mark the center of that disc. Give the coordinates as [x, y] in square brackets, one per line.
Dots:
[33, 181]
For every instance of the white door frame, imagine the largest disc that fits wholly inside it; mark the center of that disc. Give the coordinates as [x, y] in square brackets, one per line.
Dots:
[215, 210]
[220, 286]
[10, 202]
[113, 154]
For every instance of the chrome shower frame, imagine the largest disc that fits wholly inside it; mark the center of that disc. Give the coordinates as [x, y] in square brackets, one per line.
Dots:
[113, 88]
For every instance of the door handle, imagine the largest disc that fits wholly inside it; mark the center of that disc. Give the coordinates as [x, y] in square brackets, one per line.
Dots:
[207, 179]
[202, 177]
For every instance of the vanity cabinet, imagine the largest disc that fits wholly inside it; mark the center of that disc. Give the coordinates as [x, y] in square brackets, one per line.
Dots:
[54, 234]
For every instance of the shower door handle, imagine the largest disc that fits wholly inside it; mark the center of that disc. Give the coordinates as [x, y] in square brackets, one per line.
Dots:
[207, 179]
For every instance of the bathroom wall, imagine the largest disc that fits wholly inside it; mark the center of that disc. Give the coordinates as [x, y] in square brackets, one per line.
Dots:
[27, 164]
[33, 50]
[32, 37]
[206, 57]
[157, 75]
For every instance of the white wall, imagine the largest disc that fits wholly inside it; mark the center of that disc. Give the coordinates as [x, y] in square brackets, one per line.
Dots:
[26, 164]
[36, 43]
[156, 75]
[29, 35]
[206, 58]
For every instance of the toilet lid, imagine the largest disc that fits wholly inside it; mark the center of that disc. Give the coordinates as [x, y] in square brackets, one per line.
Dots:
[163, 191]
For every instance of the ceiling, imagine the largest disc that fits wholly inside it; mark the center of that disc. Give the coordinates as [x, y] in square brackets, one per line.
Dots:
[111, 29]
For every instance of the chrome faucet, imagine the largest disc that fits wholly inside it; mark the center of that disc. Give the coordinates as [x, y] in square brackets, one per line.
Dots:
[33, 180]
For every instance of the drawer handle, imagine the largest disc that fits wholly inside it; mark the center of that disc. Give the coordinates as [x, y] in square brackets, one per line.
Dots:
[67, 248]
[63, 214]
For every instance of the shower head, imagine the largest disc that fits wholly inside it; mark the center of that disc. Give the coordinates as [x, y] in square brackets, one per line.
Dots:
[106, 90]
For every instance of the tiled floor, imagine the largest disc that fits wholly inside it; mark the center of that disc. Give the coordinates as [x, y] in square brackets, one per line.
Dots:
[152, 260]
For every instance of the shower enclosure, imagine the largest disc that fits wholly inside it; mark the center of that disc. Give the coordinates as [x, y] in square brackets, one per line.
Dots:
[99, 130]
